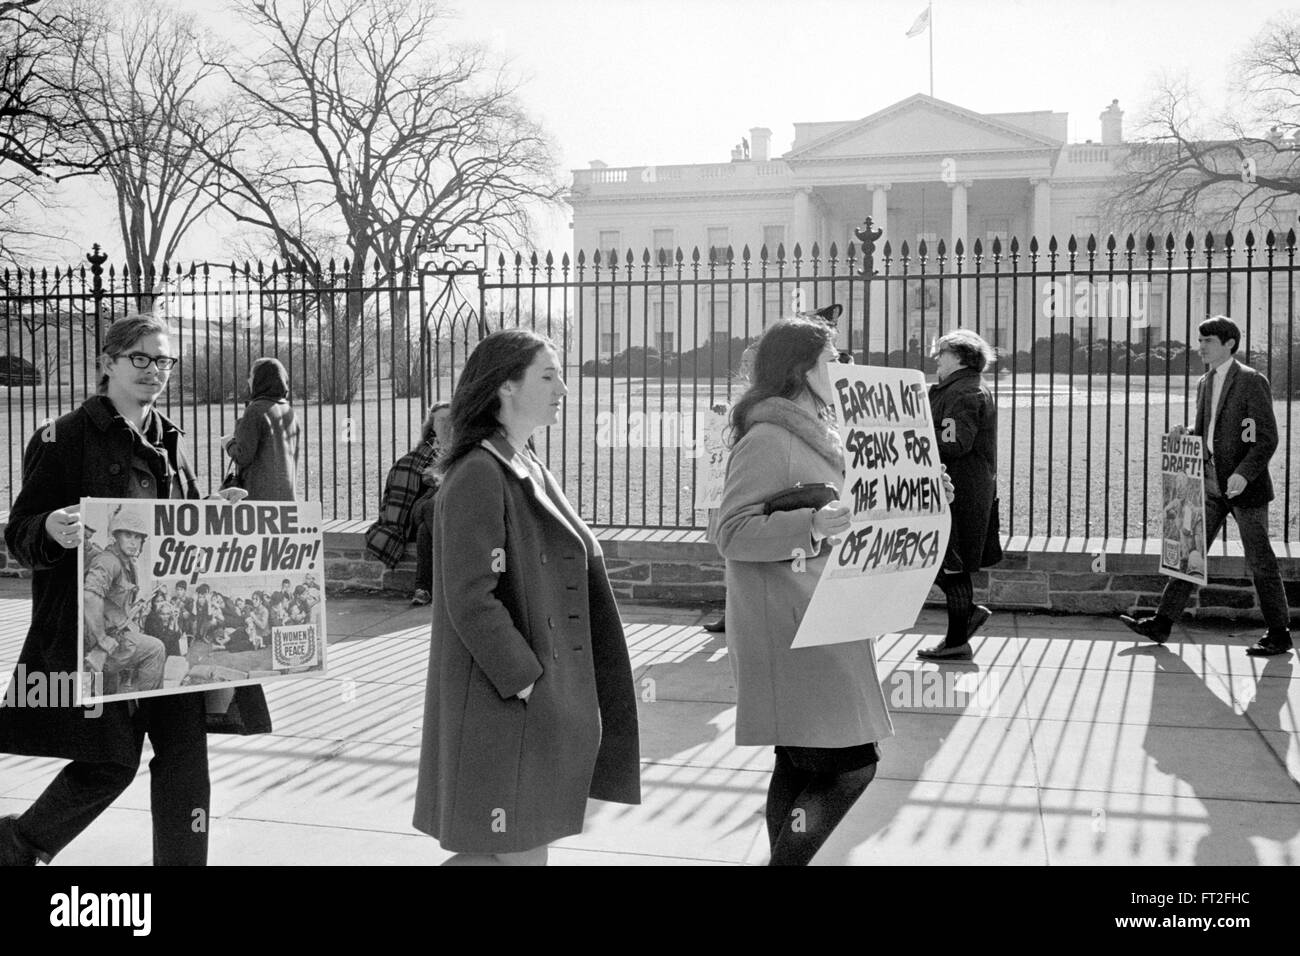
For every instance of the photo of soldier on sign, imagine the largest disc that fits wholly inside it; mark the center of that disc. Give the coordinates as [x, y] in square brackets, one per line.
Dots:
[179, 596]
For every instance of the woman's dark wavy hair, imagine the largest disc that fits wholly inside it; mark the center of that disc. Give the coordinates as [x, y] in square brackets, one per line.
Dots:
[501, 357]
[787, 351]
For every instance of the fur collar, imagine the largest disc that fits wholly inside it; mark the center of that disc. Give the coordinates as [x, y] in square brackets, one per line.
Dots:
[804, 425]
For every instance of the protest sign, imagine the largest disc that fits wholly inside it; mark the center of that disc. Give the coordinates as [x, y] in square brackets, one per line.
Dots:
[713, 459]
[1182, 480]
[180, 596]
[881, 570]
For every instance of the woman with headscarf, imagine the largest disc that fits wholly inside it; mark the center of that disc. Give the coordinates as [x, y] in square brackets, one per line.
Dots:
[966, 426]
[265, 443]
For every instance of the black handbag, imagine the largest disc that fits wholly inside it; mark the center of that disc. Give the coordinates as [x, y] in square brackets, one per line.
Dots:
[993, 537]
[815, 495]
[233, 478]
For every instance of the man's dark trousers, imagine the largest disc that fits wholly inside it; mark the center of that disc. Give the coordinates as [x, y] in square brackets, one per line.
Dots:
[1260, 559]
[179, 786]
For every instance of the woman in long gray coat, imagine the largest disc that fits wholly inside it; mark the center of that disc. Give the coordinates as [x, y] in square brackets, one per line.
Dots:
[822, 708]
[265, 443]
[530, 707]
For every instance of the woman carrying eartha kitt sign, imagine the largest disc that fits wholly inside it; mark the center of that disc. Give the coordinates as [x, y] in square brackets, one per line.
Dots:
[881, 570]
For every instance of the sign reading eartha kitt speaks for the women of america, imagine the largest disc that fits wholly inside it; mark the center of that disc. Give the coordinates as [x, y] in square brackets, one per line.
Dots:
[881, 570]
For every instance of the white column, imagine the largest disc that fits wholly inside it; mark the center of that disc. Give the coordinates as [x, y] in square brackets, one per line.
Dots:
[960, 230]
[803, 222]
[1042, 213]
[958, 216]
[880, 220]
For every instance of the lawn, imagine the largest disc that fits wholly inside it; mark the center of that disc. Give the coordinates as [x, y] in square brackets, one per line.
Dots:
[1067, 451]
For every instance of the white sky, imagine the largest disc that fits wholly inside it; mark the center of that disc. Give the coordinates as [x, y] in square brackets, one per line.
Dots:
[681, 81]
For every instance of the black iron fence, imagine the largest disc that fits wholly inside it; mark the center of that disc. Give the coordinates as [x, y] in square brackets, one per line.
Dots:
[1096, 344]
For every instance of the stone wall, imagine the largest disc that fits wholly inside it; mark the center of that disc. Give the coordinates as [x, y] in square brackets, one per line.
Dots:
[679, 568]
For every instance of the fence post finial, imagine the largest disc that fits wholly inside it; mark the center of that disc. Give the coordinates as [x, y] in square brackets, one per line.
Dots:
[867, 234]
[97, 260]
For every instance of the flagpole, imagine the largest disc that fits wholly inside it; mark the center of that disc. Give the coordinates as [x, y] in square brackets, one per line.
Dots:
[930, 9]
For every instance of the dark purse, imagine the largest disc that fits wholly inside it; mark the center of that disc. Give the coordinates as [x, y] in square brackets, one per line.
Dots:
[993, 537]
[813, 495]
[233, 478]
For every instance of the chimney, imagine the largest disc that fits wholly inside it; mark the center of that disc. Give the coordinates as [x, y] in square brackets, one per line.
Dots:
[760, 143]
[1112, 125]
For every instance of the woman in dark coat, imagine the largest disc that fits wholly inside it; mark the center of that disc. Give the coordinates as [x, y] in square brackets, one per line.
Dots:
[530, 707]
[265, 443]
[116, 445]
[966, 426]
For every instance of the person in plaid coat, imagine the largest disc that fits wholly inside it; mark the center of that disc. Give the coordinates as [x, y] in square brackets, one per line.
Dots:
[408, 480]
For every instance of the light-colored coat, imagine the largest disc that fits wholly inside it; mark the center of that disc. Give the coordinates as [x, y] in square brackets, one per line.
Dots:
[520, 595]
[810, 696]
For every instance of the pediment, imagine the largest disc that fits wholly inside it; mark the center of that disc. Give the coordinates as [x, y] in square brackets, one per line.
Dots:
[921, 124]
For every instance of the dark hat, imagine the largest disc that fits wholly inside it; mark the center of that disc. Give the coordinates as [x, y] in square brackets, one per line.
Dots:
[829, 314]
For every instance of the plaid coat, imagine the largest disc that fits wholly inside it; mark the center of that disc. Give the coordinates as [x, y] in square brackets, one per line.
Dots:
[386, 539]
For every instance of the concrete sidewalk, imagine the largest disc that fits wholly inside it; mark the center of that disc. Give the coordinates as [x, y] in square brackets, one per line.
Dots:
[1068, 741]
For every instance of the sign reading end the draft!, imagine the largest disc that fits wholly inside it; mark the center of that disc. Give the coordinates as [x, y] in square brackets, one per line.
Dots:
[1182, 484]
[182, 596]
[880, 572]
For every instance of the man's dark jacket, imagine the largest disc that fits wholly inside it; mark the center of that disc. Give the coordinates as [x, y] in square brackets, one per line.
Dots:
[87, 453]
[1245, 432]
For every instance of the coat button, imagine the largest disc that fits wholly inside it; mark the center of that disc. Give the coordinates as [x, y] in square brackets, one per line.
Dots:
[144, 482]
[543, 557]
[114, 468]
[555, 655]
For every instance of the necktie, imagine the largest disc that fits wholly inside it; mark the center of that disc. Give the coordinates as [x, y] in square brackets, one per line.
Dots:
[1209, 415]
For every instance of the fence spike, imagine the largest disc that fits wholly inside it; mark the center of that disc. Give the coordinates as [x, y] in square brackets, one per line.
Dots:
[744, 254]
[1290, 239]
[798, 252]
[1033, 244]
[595, 258]
[731, 254]
[1190, 242]
[1209, 241]
[1072, 245]
[997, 251]
[1228, 241]
[1015, 245]
[519, 259]
[1052, 244]
[816, 250]
[850, 254]
[564, 261]
[887, 251]
[1270, 240]
[904, 252]
[582, 258]
[942, 250]
[1170, 243]
[1091, 244]
[1250, 238]
[550, 259]
[780, 252]
[532, 260]
[1130, 243]
[977, 248]
[762, 253]
[1151, 242]
[678, 256]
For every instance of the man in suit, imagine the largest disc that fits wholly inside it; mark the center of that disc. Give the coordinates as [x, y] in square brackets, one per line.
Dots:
[1234, 413]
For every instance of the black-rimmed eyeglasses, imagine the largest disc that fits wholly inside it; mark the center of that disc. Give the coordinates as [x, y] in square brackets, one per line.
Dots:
[165, 363]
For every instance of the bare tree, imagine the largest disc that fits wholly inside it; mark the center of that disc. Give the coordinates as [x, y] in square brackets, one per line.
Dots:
[1186, 171]
[135, 78]
[357, 122]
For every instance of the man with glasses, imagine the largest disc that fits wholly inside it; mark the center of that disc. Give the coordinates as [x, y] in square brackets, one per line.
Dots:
[116, 445]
